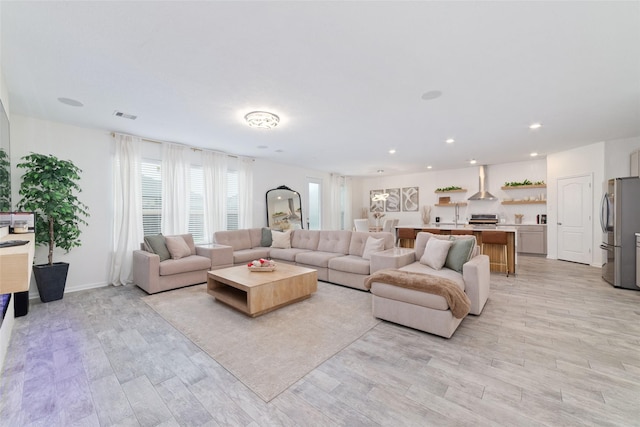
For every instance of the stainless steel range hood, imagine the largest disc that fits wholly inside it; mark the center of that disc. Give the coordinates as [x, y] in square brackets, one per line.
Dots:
[482, 194]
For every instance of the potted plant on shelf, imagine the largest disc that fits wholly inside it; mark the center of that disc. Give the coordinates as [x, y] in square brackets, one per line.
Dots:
[48, 188]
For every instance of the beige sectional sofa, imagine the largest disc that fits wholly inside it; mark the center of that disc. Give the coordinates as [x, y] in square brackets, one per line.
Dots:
[425, 311]
[335, 254]
[153, 275]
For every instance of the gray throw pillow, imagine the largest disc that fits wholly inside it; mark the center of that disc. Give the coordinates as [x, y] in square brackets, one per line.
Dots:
[158, 246]
[266, 239]
[459, 253]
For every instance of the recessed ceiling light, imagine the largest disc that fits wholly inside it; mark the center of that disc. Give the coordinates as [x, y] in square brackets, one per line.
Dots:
[472, 161]
[450, 141]
[71, 102]
[280, 151]
[535, 126]
[380, 170]
[432, 94]
[392, 151]
[429, 167]
[534, 154]
[262, 147]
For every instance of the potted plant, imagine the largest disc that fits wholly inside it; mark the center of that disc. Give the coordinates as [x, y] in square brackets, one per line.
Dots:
[48, 188]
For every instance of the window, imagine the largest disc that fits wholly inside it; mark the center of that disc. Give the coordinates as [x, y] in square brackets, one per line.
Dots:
[232, 200]
[152, 200]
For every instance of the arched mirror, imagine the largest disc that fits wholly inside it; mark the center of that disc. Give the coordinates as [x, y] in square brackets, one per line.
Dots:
[284, 209]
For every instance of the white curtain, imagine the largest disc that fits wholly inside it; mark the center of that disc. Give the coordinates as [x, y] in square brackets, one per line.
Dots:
[245, 193]
[175, 189]
[347, 202]
[214, 168]
[127, 228]
[335, 206]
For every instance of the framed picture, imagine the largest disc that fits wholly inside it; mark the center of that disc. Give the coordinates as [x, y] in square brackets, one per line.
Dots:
[410, 199]
[393, 201]
[376, 205]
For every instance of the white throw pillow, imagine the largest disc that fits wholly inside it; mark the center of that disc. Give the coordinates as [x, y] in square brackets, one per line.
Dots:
[281, 239]
[372, 245]
[178, 248]
[435, 253]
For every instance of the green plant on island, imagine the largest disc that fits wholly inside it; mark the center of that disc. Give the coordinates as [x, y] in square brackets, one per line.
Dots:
[451, 188]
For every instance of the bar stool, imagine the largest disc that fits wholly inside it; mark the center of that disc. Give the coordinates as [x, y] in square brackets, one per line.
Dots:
[462, 232]
[497, 238]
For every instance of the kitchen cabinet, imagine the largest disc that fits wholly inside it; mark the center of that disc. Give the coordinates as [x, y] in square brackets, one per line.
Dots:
[532, 239]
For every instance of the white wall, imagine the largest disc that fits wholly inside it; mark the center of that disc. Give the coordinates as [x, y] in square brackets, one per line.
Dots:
[617, 157]
[92, 151]
[587, 160]
[467, 178]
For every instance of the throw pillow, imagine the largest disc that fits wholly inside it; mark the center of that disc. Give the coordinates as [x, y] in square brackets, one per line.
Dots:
[266, 239]
[158, 246]
[435, 253]
[372, 245]
[178, 248]
[460, 253]
[281, 239]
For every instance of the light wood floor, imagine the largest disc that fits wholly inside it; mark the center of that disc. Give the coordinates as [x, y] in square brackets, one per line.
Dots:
[554, 346]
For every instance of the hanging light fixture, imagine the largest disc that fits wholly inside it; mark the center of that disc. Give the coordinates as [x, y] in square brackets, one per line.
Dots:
[262, 119]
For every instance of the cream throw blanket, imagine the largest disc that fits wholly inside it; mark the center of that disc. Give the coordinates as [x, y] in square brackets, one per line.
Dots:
[458, 301]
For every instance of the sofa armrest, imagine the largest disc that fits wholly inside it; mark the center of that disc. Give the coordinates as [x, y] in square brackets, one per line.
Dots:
[391, 258]
[220, 255]
[146, 270]
[477, 278]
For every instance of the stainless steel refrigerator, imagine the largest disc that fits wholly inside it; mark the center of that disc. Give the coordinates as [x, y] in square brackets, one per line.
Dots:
[620, 220]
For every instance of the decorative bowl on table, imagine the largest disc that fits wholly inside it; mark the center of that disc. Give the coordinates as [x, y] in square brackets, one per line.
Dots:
[261, 265]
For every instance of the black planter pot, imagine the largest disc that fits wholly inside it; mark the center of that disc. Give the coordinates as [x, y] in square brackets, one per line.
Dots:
[51, 280]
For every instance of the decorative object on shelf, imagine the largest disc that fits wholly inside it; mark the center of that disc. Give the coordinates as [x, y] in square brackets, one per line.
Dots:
[453, 188]
[377, 216]
[525, 183]
[444, 200]
[518, 218]
[426, 214]
[262, 119]
[410, 199]
[392, 204]
[49, 186]
[262, 265]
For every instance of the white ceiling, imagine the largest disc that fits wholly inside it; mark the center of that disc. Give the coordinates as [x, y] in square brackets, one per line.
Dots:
[346, 78]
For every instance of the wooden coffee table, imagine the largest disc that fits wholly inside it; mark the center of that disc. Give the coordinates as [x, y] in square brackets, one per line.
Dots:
[255, 293]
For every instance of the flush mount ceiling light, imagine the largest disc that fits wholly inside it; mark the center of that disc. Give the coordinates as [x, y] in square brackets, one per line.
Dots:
[472, 161]
[450, 141]
[535, 126]
[534, 154]
[392, 151]
[262, 119]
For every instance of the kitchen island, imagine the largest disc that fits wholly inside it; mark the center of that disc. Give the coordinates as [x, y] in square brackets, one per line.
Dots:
[406, 236]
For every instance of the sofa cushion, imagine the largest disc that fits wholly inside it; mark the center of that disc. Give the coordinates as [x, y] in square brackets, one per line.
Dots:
[158, 246]
[372, 245]
[454, 276]
[177, 247]
[350, 264]
[246, 255]
[184, 265]
[255, 237]
[336, 241]
[459, 253]
[305, 239]
[266, 239]
[435, 253]
[237, 239]
[411, 296]
[281, 239]
[286, 254]
[188, 238]
[316, 258]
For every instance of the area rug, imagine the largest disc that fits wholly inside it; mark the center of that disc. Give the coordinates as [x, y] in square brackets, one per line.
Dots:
[271, 352]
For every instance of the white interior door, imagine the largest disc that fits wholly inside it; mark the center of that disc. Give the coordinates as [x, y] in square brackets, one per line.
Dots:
[575, 228]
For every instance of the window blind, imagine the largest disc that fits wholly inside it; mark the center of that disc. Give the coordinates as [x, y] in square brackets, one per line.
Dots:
[151, 196]
[232, 200]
